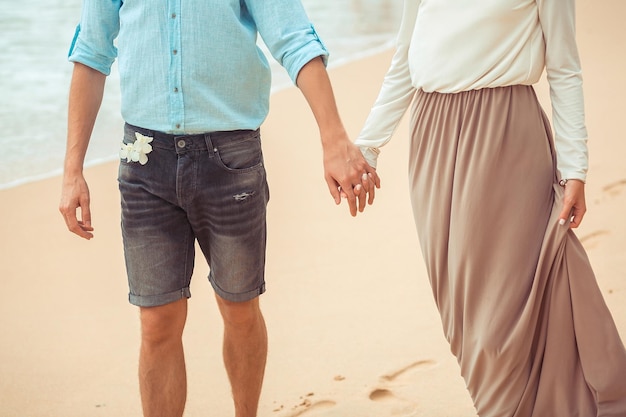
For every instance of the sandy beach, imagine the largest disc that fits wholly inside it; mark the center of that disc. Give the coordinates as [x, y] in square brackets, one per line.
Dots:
[353, 328]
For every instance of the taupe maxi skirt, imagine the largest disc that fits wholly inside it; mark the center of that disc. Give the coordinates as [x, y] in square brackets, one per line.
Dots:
[518, 300]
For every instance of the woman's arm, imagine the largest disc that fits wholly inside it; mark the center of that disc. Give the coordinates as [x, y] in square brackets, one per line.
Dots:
[564, 74]
[395, 94]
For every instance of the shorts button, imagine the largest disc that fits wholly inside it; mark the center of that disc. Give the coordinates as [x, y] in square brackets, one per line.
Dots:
[181, 143]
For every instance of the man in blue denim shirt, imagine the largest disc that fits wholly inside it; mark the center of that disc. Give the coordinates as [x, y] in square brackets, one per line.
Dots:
[195, 90]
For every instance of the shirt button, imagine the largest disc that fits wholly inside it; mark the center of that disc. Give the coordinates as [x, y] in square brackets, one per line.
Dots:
[173, 15]
[177, 125]
[176, 89]
[175, 51]
[181, 143]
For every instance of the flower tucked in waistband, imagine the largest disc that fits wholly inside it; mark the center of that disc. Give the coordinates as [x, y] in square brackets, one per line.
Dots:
[137, 151]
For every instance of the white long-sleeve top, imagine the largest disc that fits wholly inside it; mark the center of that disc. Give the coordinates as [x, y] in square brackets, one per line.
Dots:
[449, 46]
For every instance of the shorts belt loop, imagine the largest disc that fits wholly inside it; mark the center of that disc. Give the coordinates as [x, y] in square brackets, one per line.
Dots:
[209, 145]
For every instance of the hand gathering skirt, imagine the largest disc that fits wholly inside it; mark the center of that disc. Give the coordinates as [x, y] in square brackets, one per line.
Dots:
[518, 300]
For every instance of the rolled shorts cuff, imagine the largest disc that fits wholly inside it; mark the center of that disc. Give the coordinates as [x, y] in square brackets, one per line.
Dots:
[158, 300]
[237, 297]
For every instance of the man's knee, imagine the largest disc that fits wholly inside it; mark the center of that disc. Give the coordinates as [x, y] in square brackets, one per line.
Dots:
[245, 313]
[163, 323]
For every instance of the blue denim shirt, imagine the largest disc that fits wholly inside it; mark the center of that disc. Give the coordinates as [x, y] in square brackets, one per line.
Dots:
[191, 66]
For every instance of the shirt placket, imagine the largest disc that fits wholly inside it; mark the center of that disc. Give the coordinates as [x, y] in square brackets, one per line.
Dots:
[177, 108]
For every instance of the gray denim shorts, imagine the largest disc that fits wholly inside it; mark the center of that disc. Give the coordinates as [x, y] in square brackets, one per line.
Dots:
[208, 187]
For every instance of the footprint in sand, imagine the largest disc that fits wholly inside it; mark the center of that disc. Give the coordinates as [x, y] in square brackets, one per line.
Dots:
[611, 190]
[396, 405]
[614, 188]
[383, 400]
[385, 394]
[307, 406]
[419, 365]
[593, 239]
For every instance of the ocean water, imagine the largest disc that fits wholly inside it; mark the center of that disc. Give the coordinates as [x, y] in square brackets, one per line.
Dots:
[35, 76]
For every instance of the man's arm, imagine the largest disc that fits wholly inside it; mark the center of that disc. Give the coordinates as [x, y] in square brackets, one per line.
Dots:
[86, 91]
[345, 170]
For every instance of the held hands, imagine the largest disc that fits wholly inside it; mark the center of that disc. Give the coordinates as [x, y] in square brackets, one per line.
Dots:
[74, 196]
[346, 172]
[574, 207]
[348, 175]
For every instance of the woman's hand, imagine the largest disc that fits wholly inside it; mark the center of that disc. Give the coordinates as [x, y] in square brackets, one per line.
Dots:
[574, 206]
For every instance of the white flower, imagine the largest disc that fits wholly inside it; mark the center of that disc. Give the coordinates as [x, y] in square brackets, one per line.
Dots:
[138, 150]
[126, 150]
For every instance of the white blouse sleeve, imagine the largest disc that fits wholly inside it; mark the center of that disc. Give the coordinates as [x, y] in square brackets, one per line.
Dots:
[564, 74]
[395, 94]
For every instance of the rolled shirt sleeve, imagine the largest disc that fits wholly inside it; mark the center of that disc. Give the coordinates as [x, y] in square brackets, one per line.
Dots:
[93, 43]
[288, 34]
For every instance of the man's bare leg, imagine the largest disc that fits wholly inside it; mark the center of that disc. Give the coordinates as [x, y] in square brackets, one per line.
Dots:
[245, 352]
[162, 374]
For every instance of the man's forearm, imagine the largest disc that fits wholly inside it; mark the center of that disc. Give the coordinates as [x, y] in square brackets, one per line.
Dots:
[86, 91]
[315, 85]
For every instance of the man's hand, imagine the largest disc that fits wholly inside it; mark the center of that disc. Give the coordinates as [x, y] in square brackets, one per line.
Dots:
[348, 175]
[574, 206]
[75, 196]
[346, 172]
